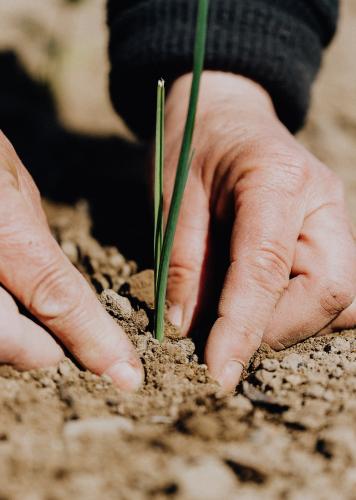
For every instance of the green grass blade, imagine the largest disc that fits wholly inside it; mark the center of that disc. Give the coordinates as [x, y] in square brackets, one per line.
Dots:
[182, 169]
[158, 181]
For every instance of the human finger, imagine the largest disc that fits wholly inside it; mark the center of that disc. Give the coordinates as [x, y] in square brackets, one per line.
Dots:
[24, 344]
[324, 282]
[263, 241]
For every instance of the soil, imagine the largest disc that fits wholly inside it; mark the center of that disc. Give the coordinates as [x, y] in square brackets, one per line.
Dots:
[289, 432]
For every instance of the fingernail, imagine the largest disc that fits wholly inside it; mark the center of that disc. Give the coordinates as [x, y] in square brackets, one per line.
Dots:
[175, 315]
[125, 375]
[230, 375]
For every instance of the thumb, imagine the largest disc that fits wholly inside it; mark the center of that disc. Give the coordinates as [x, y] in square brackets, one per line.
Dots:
[35, 270]
[188, 255]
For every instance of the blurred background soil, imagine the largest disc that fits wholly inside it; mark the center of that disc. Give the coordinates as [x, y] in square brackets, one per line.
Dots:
[289, 434]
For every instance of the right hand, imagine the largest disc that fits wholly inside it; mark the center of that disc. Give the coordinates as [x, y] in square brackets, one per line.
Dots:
[34, 270]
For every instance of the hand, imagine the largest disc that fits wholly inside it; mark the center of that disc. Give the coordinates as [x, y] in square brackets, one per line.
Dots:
[34, 269]
[291, 269]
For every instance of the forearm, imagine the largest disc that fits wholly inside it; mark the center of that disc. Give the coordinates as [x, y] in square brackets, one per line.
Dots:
[278, 44]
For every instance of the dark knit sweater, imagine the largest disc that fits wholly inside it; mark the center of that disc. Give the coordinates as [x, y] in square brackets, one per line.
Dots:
[277, 43]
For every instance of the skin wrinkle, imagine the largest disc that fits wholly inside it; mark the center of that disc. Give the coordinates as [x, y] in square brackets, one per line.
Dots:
[270, 184]
[258, 161]
[35, 270]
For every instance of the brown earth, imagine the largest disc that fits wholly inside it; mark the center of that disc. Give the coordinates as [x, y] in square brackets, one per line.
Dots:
[288, 433]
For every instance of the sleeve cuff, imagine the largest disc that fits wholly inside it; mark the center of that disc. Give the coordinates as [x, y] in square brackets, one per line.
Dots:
[277, 44]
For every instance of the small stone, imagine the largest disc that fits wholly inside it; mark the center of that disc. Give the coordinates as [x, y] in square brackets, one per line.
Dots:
[270, 365]
[207, 478]
[141, 319]
[189, 373]
[105, 378]
[161, 419]
[292, 362]
[315, 391]
[116, 303]
[99, 282]
[133, 266]
[126, 270]
[337, 372]
[338, 346]
[96, 427]
[318, 356]
[71, 251]
[188, 347]
[94, 264]
[329, 395]
[47, 382]
[174, 350]
[264, 376]
[242, 404]
[141, 345]
[116, 261]
[294, 380]
[64, 368]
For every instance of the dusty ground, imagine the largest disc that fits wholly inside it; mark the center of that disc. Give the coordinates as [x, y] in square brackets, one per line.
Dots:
[290, 431]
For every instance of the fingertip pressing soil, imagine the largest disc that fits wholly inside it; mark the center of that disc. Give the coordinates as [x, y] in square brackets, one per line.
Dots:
[289, 432]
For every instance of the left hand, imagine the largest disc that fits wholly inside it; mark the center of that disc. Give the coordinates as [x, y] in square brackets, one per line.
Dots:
[292, 264]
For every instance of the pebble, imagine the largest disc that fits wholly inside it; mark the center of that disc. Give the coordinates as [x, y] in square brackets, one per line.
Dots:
[208, 479]
[294, 380]
[161, 419]
[121, 304]
[142, 343]
[141, 319]
[47, 382]
[64, 368]
[340, 441]
[116, 261]
[26, 376]
[126, 270]
[315, 391]
[336, 372]
[329, 395]
[96, 427]
[133, 266]
[71, 251]
[242, 404]
[338, 346]
[270, 365]
[99, 282]
[105, 378]
[264, 376]
[292, 362]
[318, 355]
[187, 346]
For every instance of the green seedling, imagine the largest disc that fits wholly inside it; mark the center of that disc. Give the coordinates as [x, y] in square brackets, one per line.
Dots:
[158, 181]
[163, 243]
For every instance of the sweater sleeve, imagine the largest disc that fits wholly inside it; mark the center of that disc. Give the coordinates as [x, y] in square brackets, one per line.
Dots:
[277, 43]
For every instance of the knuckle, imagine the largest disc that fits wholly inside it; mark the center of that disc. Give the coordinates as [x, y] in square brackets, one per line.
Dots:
[271, 266]
[181, 273]
[56, 294]
[248, 336]
[277, 344]
[251, 337]
[336, 296]
[291, 169]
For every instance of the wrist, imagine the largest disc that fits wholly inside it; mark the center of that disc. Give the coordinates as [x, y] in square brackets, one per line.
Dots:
[220, 91]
